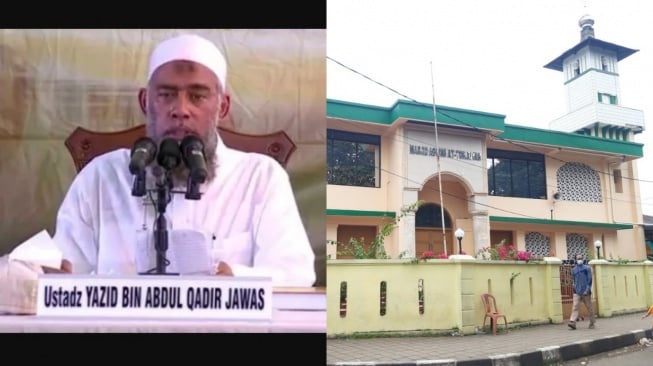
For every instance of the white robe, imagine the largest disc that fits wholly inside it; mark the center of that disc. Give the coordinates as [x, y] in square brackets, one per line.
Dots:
[249, 211]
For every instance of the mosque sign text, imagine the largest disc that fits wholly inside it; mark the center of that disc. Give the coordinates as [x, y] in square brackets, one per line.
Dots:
[444, 152]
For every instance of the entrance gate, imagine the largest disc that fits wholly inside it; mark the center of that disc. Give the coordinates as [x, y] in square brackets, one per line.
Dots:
[567, 292]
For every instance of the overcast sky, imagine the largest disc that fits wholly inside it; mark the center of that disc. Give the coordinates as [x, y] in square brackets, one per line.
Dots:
[486, 56]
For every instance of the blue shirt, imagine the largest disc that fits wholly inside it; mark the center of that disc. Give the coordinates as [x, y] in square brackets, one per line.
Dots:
[582, 279]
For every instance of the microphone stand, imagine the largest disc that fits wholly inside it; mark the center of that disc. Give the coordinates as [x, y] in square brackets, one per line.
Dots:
[163, 190]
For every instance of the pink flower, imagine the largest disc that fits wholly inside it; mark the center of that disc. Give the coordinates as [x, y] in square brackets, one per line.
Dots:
[427, 254]
[523, 256]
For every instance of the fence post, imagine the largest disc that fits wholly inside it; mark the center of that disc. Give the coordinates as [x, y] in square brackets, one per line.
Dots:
[648, 282]
[602, 287]
[553, 296]
[468, 297]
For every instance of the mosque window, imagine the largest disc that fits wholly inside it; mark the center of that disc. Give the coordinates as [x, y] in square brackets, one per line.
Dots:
[353, 159]
[516, 174]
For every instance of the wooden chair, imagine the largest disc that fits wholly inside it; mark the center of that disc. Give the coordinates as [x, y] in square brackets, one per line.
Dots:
[492, 312]
[84, 144]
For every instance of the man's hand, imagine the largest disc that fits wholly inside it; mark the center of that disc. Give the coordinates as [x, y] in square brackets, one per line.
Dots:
[66, 267]
[223, 269]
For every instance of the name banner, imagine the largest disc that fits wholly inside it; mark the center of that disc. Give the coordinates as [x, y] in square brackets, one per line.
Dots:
[445, 153]
[155, 296]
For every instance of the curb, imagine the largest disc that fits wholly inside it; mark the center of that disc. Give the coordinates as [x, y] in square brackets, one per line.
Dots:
[541, 356]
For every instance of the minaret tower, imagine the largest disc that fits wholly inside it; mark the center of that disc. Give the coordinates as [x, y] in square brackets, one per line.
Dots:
[591, 78]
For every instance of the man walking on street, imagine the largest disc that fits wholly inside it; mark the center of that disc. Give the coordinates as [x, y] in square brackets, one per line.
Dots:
[582, 291]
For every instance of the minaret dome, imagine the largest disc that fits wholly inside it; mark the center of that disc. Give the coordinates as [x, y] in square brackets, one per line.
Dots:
[586, 22]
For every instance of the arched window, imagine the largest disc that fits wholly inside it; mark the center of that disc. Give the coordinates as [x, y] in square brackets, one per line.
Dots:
[430, 215]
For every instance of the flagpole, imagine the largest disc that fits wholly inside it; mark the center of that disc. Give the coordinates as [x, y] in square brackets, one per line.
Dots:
[437, 157]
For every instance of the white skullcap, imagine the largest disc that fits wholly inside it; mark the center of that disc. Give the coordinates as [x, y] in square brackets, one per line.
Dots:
[190, 47]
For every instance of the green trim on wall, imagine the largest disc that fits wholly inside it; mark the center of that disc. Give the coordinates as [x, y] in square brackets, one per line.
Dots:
[360, 213]
[563, 139]
[421, 112]
[524, 220]
[415, 111]
[359, 112]
[450, 115]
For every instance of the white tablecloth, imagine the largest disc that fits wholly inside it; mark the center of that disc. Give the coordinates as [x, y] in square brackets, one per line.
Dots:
[282, 322]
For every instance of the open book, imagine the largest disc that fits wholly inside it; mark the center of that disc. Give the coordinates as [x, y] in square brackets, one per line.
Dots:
[299, 298]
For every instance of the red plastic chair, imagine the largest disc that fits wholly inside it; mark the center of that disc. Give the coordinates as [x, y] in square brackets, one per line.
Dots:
[492, 312]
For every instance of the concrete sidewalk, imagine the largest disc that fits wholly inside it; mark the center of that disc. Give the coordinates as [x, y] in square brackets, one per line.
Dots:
[536, 345]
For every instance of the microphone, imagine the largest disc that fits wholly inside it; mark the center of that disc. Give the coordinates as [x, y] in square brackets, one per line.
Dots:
[192, 151]
[169, 154]
[142, 154]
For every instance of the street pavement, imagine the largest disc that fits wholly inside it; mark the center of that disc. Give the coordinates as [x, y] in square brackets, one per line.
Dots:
[534, 345]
